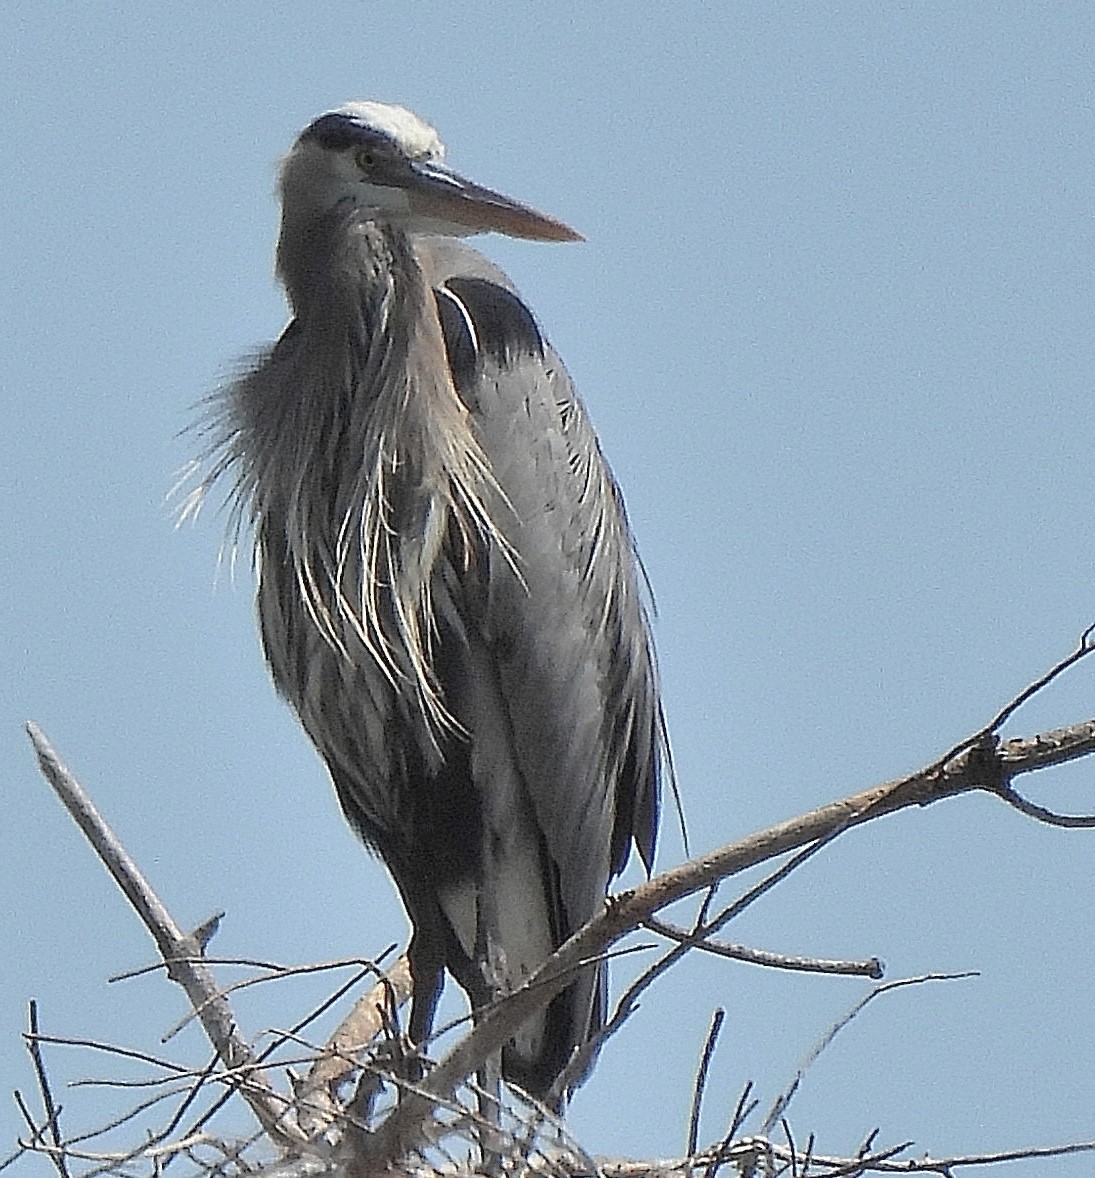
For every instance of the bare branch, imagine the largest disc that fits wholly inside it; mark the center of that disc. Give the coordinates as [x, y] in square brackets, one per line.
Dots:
[358, 1029]
[272, 970]
[112, 1049]
[1057, 747]
[758, 1155]
[37, 1132]
[699, 936]
[742, 1111]
[886, 1162]
[180, 952]
[871, 968]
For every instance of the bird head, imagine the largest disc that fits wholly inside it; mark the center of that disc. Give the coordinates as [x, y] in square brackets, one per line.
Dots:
[388, 163]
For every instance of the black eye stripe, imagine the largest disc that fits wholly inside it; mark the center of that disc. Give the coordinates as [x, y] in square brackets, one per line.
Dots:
[336, 132]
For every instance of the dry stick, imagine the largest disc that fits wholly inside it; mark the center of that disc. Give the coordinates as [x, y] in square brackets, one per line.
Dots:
[865, 1161]
[884, 1161]
[942, 1166]
[53, 1113]
[807, 1159]
[13, 1157]
[180, 952]
[983, 766]
[274, 971]
[356, 1031]
[279, 975]
[791, 1147]
[701, 1080]
[38, 1133]
[312, 1118]
[870, 968]
[742, 1111]
[987, 734]
[1041, 814]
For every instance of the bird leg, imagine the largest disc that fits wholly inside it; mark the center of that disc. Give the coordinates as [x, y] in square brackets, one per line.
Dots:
[427, 978]
[489, 1077]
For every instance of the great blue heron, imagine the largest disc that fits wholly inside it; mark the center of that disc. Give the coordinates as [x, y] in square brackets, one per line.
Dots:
[448, 590]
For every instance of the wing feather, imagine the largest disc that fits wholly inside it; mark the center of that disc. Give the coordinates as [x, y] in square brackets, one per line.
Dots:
[569, 635]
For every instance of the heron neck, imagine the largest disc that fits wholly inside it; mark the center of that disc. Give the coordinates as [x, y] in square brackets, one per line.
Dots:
[325, 259]
[369, 339]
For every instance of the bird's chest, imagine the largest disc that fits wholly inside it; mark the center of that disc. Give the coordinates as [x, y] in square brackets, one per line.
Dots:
[361, 611]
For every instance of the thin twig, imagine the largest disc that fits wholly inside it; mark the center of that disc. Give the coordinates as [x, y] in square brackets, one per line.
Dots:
[865, 1161]
[701, 1080]
[808, 1156]
[37, 1132]
[1049, 817]
[870, 968]
[13, 1157]
[274, 971]
[1082, 650]
[791, 1148]
[742, 1111]
[326, 1003]
[53, 1113]
[627, 1004]
[113, 1049]
[779, 1108]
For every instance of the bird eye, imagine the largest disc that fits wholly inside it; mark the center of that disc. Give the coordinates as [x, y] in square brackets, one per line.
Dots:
[366, 159]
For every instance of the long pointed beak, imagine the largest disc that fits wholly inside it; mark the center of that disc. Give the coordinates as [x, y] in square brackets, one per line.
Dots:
[444, 195]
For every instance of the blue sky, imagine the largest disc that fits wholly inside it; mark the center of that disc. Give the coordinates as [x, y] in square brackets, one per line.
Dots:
[834, 322]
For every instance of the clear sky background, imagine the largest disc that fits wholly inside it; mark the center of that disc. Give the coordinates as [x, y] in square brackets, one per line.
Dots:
[834, 321]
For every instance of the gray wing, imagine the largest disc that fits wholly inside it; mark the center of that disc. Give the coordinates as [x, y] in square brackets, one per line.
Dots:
[563, 622]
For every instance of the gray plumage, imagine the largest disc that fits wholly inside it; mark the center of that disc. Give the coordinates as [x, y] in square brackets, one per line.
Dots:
[448, 592]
